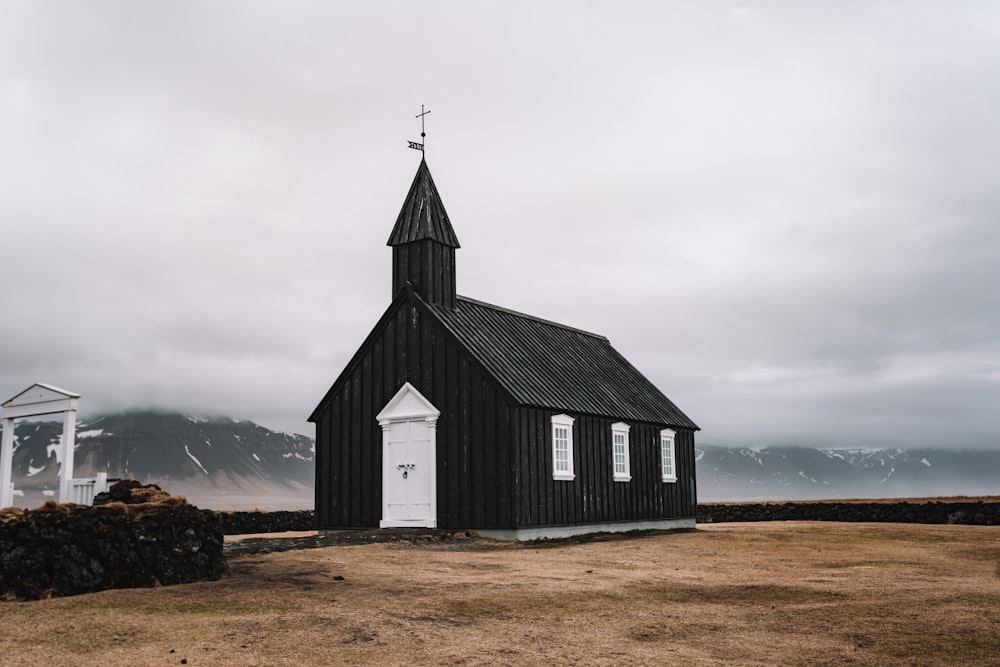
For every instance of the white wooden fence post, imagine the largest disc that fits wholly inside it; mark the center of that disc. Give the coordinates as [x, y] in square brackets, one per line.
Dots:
[68, 445]
[101, 485]
[7, 464]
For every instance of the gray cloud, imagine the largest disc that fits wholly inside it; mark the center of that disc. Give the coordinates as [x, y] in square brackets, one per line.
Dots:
[784, 215]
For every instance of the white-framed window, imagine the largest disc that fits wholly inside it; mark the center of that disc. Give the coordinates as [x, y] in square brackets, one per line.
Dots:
[668, 463]
[562, 447]
[619, 452]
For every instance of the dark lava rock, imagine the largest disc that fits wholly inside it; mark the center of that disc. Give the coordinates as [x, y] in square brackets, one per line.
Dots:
[58, 549]
[131, 492]
[977, 513]
[244, 523]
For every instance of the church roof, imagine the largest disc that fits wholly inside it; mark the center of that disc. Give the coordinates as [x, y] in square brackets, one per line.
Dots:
[550, 365]
[423, 215]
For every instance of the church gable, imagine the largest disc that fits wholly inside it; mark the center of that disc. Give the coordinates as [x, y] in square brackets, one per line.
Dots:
[411, 346]
[399, 349]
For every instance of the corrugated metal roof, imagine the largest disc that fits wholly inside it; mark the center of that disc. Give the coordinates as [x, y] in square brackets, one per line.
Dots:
[423, 215]
[550, 365]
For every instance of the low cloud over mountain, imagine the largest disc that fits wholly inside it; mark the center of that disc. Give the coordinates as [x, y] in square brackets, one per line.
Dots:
[217, 463]
[800, 473]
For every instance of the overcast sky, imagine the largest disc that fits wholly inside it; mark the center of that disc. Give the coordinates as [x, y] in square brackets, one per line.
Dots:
[785, 214]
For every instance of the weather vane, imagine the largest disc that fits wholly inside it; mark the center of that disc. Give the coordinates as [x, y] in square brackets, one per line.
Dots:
[413, 144]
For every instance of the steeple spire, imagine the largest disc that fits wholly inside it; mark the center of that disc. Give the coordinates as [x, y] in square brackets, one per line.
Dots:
[424, 242]
[423, 215]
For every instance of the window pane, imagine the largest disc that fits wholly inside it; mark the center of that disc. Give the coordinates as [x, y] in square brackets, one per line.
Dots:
[667, 447]
[562, 449]
[619, 453]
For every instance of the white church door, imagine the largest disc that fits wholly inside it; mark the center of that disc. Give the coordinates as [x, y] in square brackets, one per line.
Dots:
[406, 479]
[409, 469]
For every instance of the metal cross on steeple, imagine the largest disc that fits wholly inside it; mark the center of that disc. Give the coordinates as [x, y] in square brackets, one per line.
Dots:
[414, 144]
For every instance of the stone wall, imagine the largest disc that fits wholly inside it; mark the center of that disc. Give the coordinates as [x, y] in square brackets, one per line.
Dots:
[245, 523]
[129, 491]
[972, 513]
[58, 549]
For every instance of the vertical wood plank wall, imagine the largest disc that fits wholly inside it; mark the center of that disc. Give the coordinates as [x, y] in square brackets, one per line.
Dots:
[474, 484]
[494, 459]
[593, 496]
[430, 266]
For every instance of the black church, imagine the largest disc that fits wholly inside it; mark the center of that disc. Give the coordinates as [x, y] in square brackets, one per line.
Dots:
[459, 414]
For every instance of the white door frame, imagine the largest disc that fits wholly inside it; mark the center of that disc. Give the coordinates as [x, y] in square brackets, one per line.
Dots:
[407, 405]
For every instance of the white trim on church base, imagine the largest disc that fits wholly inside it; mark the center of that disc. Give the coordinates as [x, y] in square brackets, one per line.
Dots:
[554, 532]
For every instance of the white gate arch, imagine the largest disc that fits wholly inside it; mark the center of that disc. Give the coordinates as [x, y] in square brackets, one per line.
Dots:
[38, 399]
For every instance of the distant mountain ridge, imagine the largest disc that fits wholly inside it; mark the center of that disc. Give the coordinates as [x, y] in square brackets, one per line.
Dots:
[221, 463]
[202, 458]
[801, 473]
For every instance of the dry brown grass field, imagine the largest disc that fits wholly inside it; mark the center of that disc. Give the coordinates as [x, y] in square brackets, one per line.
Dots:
[724, 594]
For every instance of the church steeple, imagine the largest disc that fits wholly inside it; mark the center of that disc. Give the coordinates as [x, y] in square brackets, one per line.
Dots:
[423, 243]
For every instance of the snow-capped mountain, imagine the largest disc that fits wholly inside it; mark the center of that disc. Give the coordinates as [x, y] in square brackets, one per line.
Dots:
[801, 473]
[220, 463]
[217, 462]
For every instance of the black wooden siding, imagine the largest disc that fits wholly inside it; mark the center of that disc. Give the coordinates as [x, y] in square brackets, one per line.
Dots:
[427, 265]
[494, 458]
[474, 481]
[593, 496]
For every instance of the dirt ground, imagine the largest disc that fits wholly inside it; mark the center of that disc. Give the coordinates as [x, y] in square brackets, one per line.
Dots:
[724, 594]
